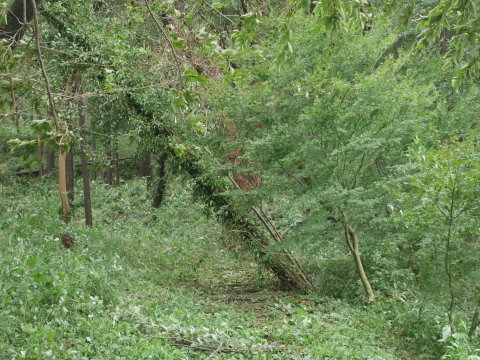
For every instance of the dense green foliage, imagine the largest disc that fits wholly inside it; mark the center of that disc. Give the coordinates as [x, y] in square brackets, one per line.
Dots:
[161, 288]
[334, 140]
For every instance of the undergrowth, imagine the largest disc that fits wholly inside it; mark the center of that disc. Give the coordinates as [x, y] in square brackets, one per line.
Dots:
[162, 283]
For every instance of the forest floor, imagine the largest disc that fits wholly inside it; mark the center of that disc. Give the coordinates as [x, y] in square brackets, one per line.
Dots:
[162, 283]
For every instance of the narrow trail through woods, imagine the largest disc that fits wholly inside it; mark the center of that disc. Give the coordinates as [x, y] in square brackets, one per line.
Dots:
[165, 281]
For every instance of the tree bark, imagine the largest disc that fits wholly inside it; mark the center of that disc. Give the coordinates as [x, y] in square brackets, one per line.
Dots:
[40, 157]
[62, 183]
[145, 168]
[93, 145]
[475, 321]
[50, 161]
[109, 170]
[141, 167]
[352, 242]
[85, 174]
[70, 175]
[117, 165]
[69, 167]
[149, 171]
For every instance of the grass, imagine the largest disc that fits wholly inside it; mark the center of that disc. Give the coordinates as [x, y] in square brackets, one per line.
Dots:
[164, 283]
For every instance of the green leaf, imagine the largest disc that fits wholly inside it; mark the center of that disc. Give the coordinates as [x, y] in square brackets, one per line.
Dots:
[32, 262]
[179, 44]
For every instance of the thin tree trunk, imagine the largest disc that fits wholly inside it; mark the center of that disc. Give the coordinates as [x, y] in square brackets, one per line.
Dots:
[109, 170]
[149, 170]
[50, 161]
[40, 157]
[444, 35]
[352, 242]
[244, 6]
[145, 168]
[109, 173]
[162, 180]
[61, 127]
[475, 321]
[69, 166]
[141, 167]
[117, 165]
[70, 175]
[85, 175]
[62, 183]
[93, 145]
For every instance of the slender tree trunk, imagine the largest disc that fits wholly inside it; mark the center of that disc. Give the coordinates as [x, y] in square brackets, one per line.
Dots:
[162, 180]
[93, 145]
[141, 167]
[85, 175]
[40, 157]
[444, 35]
[70, 175]
[50, 161]
[244, 6]
[61, 127]
[117, 165]
[149, 170]
[450, 219]
[16, 123]
[109, 169]
[62, 183]
[475, 321]
[352, 242]
[145, 168]
[69, 166]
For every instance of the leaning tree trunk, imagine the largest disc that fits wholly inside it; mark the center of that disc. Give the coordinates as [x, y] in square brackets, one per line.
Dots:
[282, 263]
[352, 242]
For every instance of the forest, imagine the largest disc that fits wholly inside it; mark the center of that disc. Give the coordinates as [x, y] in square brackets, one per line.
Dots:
[239, 179]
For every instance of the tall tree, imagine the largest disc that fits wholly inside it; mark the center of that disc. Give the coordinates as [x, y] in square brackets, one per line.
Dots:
[83, 157]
